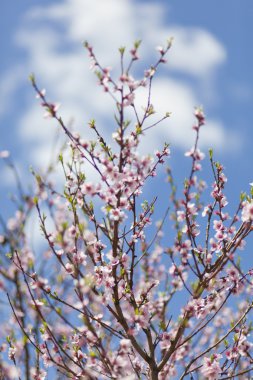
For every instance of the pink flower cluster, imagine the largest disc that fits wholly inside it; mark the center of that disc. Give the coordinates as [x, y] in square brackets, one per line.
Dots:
[127, 285]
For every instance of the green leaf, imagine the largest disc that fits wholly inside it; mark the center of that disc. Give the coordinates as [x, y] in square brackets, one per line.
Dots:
[242, 196]
[169, 42]
[122, 50]
[162, 326]
[32, 78]
[92, 123]
[138, 129]
[58, 310]
[137, 44]
[60, 158]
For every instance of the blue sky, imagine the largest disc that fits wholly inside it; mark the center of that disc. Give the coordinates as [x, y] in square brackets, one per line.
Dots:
[210, 64]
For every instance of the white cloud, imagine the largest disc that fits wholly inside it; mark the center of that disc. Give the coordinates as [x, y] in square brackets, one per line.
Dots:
[111, 24]
[196, 51]
[51, 36]
[174, 96]
[9, 179]
[214, 135]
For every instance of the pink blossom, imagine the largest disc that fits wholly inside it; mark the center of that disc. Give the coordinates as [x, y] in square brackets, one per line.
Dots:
[129, 99]
[72, 230]
[218, 225]
[247, 212]
[206, 210]
[47, 360]
[4, 154]
[12, 352]
[37, 302]
[134, 54]
[165, 341]
[51, 109]
[233, 353]
[41, 94]
[38, 374]
[211, 367]
[125, 345]
[116, 214]
[149, 73]
[59, 252]
[88, 189]
[220, 235]
[70, 268]
[199, 114]
[196, 154]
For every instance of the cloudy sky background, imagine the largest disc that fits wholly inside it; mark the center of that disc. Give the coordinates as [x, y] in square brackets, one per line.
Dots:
[210, 64]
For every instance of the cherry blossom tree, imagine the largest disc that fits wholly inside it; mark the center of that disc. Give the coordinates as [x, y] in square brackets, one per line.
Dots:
[124, 288]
